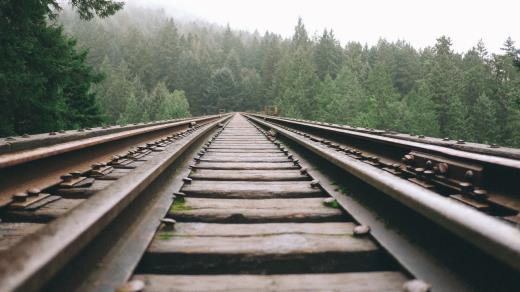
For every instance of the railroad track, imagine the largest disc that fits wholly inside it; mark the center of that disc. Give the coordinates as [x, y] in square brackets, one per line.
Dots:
[250, 202]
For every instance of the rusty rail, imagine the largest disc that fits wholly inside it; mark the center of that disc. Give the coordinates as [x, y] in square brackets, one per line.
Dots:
[496, 237]
[42, 254]
[486, 182]
[241, 183]
[38, 161]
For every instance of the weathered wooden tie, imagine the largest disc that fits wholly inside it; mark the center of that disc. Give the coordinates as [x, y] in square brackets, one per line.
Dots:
[248, 209]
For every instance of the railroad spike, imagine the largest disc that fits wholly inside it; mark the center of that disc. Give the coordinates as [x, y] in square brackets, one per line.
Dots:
[131, 286]
[361, 230]
[416, 286]
[315, 183]
[20, 197]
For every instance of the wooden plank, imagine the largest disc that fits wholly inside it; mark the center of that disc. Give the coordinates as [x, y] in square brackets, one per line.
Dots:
[11, 233]
[244, 210]
[249, 175]
[45, 213]
[255, 143]
[241, 140]
[251, 190]
[243, 150]
[243, 154]
[245, 165]
[353, 282]
[252, 146]
[191, 229]
[244, 159]
[298, 249]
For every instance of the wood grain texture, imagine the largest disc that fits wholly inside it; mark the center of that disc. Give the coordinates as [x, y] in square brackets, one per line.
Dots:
[267, 210]
[246, 165]
[248, 175]
[353, 282]
[251, 190]
[11, 233]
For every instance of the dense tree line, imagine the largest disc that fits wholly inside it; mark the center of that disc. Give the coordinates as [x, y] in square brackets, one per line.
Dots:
[434, 91]
[46, 84]
[149, 67]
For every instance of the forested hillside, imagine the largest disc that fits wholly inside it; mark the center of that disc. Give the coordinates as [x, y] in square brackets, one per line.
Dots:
[433, 91]
[146, 66]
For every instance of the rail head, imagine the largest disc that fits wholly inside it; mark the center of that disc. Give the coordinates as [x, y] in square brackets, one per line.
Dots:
[507, 157]
[44, 145]
[26, 267]
[496, 237]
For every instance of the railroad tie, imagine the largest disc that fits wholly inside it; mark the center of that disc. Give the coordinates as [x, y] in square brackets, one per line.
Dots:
[252, 220]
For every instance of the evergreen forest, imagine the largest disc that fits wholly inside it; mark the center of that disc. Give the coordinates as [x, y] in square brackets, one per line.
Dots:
[140, 65]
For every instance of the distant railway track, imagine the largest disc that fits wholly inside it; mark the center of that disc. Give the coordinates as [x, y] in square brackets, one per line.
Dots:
[253, 202]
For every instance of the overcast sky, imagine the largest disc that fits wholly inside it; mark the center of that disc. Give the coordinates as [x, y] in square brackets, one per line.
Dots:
[418, 22]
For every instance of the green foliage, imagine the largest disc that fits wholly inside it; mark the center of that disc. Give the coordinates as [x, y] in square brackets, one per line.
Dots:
[85, 8]
[420, 116]
[45, 83]
[147, 59]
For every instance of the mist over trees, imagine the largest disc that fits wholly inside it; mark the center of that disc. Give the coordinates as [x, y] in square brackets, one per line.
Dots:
[391, 85]
[153, 67]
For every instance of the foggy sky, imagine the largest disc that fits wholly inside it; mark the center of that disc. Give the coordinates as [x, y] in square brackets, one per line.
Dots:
[418, 22]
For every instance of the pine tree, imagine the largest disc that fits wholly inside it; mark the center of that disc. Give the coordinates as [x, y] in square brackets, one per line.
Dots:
[297, 88]
[384, 106]
[483, 120]
[444, 79]
[420, 116]
[173, 105]
[222, 91]
[328, 55]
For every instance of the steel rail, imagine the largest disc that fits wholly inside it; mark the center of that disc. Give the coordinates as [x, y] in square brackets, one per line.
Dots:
[497, 238]
[40, 255]
[22, 156]
[491, 149]
[401, 143]
[24, 142]
[41, 167]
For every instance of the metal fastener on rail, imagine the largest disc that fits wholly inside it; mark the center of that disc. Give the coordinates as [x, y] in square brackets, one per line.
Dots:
[187, 180]
[20, 197]
[169, 223]
[33, 192]
[179, 195]
[361, 230]
[132, 286]
[315, 183]
[416, 286]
